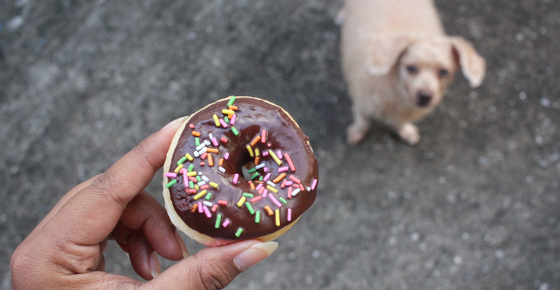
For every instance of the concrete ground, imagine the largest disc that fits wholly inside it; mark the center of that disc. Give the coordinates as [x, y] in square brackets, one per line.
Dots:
[474, 206]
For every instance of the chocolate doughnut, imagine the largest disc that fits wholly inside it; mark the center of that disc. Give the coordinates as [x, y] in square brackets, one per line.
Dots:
[238, 169]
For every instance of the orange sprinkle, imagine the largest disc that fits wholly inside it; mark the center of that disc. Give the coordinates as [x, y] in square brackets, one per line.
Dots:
[210, 160]
[194, 207]
[196, 133]
[212, 150]
[255, 140]
[257, 159]
[190, 191]
[221, 161]
[252, 185]
[233, 108]
[267, 208]
[279, 177]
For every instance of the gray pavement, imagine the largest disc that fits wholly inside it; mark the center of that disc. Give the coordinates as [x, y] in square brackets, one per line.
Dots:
[474, 206]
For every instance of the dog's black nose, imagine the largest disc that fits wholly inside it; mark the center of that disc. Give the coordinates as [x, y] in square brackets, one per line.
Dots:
[424, 98]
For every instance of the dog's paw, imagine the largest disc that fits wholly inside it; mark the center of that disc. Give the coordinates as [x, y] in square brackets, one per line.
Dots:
[409, 133]
[354, 135]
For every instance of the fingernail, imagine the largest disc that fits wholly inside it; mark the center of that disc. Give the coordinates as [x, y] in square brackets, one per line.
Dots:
[181, 244]
[254, 254]
[154, 264]
[178, 120]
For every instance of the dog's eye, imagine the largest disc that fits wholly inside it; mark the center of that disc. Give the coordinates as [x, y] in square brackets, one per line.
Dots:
[411, 69]
[443, 73]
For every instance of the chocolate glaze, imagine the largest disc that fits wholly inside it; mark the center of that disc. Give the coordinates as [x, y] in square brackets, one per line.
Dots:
[284, 134]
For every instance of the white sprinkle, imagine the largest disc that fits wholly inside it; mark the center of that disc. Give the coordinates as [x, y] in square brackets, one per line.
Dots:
[207, 203]
[260, 166]
[295, 192]
[203, 150]
[210, 135]
[271, 183]
[201, 183]
[200, 146]
[205, 178]
[308, 188]
[195, 154]
[207, 142]
[223, 170]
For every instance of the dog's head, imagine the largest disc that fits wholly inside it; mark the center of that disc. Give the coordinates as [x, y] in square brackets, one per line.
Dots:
[426, 66]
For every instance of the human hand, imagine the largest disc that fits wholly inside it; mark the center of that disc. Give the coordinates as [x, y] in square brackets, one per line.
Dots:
[66, 249]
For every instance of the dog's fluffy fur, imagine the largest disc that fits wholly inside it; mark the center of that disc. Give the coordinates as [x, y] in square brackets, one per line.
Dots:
[397, 62]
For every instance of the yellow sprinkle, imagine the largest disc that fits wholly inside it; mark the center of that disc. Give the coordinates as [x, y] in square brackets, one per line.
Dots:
[275, 157]
[213, 184]
[191, 174]
[178, 168]
[241, 201]
[189, 157]
[200, 194]
[257, 152]
[277, 217]
[216, 120]
[196, 187]
[228, 112]
[250, 149]
[272, 189]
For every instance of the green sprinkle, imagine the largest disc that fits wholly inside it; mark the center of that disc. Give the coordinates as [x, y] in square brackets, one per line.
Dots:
[248, 194]
[208, 196]
[182, 160]
[231, 101]
[250, 208]
[283, 200]
[197, 141]
[226, 119]
[198, 178]
[258, 217]
[261, 178]
[239, 231]
[171, 183]
[191, 184]
[234, 130]
[255, 175]
[191, 167]
[218, 221]
[251, 170]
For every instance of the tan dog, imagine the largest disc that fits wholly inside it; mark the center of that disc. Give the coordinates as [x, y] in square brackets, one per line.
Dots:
[397, 62]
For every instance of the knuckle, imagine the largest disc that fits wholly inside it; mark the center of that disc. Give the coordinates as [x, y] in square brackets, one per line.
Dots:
[105, 185]
[213, 275]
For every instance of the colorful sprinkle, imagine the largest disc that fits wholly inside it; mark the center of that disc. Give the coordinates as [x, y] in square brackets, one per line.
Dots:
[290, 162]
[189, 157]
[171, 183]
[215, 142]
[249, 207]
[255, 140]
[216, 120]
[200, 209]
[207, 212]
[222, 202]
[234, 130]
[283, 200]
[214, 208]
[248, 194]
[254, 175]
[272, 189]
[200, 194]
[218, 221]
[233, 118]
[241, 201]
[314, 184]
[227, 112]
[182, 160]
[210, 160]
[295, 179]
[269, 210]
[223, 123]
[213, 184]
[191, 126]
[277, 217]
[276, 202]
[279, 177]
[250, 149]
[279, 154]
[258, 217]
[224, 140]
[289, 214]
[222, 170]
[231, 101]
[178, 168]
[278, 161]
[255, 199]
[295, 192]
[171, 175]
[207, 203]
[238, 233]
[196, 133]
[226, 223]
[196, 142]
[208, 196]
[194, 207]
[235, 178]
[263, 136]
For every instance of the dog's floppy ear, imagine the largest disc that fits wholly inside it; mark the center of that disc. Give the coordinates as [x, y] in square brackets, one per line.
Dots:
[384, 52]
[472, 64]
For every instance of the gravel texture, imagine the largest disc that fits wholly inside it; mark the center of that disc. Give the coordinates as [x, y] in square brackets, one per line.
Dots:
[474, 206]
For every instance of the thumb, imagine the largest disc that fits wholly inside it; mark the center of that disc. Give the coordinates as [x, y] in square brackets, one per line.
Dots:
[213, 268]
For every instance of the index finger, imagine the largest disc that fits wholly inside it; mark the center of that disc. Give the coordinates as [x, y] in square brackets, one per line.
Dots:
[90, 215]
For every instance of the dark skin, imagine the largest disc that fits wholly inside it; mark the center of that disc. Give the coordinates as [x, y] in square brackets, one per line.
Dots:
[65, 251]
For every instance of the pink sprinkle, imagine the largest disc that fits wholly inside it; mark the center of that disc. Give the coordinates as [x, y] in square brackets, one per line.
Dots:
[206, 186]
[191, 126]
[289, 182]
[265, 153]
[226, 223]
[276, 202]
[193, 179]
[255, 199]
[283, 169]
[200, 210]
[265, 169]
[171, 174]
[226, 156]
[266, 177]
[207, 212]
[289, 192]
[289, 214]
[202, 163]
[224, 139]
[279, 154]
[314, 184]
[223, 123]
[235, 178]
[232, 121]
[260, 186]
[283, 185]
[269, 144]
[222, 202]
[295, 179]
[290, 162]
[203, 156]
[214, 208]
[263, 136]
[185, 179]
[262, 189]
[215, 142]
[265, 193]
